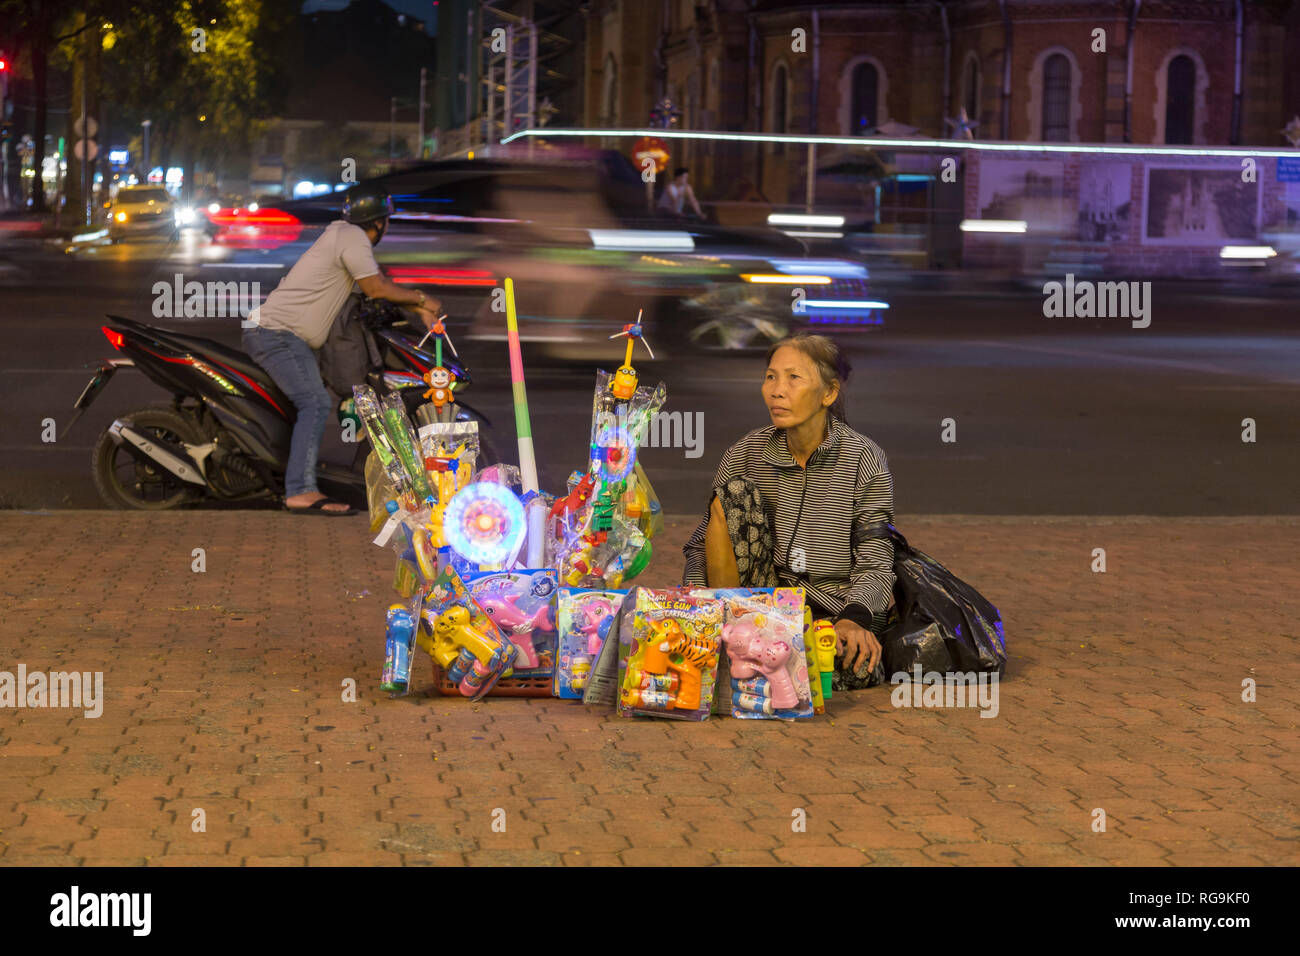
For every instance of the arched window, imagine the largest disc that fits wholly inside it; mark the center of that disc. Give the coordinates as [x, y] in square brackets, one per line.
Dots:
[971, 90]
[780, 97]
[611, 90]
[1056, 98]
[1180, 100]
[864, 93]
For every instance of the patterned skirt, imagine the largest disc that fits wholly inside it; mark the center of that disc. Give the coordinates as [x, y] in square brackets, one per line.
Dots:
[754, 545]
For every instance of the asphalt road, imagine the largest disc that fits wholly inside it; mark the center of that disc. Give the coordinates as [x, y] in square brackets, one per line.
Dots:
[1053, 416]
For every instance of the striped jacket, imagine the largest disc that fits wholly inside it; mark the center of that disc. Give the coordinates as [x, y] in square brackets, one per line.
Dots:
[821, 509]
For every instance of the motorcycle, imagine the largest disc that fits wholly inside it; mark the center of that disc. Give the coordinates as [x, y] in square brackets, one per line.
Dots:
[225, 435]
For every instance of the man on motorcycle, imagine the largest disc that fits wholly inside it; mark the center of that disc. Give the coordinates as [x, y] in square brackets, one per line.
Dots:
[295, 320]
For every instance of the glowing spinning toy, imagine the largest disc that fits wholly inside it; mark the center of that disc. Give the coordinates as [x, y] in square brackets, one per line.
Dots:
[484, 524]
[614, 454]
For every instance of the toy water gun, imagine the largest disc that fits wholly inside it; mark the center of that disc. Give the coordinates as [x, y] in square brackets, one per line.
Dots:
[473, 659]
[823, 633]
[518, 624]
[750, 656]
[671, 668]
[397, 650]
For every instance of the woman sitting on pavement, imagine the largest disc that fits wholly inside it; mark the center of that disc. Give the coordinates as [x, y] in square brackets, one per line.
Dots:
[791, 502]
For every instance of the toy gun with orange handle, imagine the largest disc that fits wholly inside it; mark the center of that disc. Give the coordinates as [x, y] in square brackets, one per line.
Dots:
[672, 668]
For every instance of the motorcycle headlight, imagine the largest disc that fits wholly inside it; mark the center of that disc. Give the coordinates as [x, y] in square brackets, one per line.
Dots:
[120, 217]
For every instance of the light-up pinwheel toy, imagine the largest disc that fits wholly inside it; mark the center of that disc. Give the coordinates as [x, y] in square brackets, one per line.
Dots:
[484, 524]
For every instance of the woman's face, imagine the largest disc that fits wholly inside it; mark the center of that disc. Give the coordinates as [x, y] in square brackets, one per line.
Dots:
[792, 389]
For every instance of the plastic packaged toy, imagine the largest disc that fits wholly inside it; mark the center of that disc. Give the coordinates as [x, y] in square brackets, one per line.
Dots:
[585, 620]
[763, 634]
[599, 533]
[400, 641]
[462, 638]
[823, 634]
[522, 604]
[394, 440]
[668, 658]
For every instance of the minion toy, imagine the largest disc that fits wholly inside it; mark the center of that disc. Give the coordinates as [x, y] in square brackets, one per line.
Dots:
[623, 385]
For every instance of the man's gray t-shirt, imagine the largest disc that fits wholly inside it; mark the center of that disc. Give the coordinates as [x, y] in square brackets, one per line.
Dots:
[311, 295]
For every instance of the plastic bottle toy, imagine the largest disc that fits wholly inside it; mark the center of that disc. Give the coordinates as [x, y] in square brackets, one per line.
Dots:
[397, 650]
[751, 656]
[823, 633]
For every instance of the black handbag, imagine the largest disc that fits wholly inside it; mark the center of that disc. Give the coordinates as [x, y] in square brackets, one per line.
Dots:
[938, 620]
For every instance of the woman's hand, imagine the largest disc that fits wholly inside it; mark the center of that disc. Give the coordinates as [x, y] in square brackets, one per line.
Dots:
[856, 644]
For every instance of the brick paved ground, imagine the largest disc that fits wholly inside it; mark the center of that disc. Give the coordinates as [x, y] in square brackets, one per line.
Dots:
[222, 693]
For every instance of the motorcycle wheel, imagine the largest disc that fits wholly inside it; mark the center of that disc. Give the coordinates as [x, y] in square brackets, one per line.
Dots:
[125, 482]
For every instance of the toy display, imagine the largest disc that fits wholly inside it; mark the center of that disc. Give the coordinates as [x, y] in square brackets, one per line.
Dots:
[585, 620]
[599, 534]
[522, 604]
[462, 638]
[668, 658]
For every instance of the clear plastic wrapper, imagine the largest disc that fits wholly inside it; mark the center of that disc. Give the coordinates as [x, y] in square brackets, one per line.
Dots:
[668, 658]
[763, 637]
[462, 638]
[522, 604]
[585, 620]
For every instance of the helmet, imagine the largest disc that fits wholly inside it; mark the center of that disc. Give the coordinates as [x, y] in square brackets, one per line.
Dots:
[365, 204]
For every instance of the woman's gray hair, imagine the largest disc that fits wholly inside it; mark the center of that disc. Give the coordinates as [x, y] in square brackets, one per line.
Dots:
[832, 364]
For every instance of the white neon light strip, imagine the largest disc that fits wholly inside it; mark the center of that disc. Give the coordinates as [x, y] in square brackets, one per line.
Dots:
[919, 142]
[801, 219]
[831, 267]
[843, 304]
[641, 241]
[814, 235]
[1247, 252]
[994, 225]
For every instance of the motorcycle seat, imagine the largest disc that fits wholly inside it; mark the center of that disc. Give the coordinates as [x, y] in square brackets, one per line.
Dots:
[232, 358]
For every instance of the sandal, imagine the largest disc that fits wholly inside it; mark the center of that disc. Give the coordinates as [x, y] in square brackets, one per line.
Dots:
[318, 508]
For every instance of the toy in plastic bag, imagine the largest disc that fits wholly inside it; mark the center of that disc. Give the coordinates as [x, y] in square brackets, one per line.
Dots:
[395, 442]
[463, 639]
[522, 604]
[668, 658]
[585, 620]
[401, 622]
[938, 621]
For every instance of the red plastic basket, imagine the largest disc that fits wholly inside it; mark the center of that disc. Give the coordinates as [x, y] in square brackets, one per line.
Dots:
[539, 686]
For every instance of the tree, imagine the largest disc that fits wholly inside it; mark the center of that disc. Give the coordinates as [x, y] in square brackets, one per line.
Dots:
[201, 70]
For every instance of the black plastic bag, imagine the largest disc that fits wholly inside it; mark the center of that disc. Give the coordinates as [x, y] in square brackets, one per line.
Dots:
[938, 620]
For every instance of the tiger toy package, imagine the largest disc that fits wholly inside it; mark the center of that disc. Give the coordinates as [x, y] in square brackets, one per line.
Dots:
[668, 658]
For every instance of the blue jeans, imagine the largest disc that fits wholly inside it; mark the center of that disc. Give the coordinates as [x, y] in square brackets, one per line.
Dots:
[291, 363]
